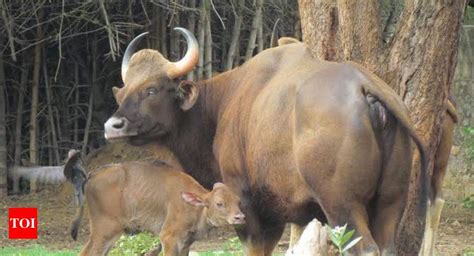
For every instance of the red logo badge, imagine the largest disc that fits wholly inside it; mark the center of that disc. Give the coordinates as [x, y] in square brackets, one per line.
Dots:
[22, 223]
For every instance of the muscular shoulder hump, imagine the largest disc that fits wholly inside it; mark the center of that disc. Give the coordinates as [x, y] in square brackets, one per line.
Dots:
[287, 40]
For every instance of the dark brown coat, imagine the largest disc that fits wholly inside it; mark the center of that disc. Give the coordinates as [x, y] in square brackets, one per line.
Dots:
[296, 137]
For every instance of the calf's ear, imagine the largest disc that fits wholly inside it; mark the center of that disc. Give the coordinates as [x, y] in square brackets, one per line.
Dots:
[218, 185]
[188, 93]
[192, 199]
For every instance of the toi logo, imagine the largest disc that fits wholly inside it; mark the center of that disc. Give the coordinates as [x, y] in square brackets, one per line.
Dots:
[22, 223]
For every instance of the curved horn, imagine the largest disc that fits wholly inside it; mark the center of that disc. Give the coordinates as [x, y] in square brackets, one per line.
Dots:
[129, 52]
[273, 39]
[189, 60]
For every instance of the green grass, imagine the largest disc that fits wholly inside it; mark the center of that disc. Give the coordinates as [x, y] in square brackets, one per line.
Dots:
[468, 252]
[126, 245]
[134, 244]
[36, 250]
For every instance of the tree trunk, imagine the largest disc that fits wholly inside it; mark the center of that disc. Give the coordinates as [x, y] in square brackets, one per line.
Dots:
[34, 98]
[76, 112]
[234, 43]
[208, 48]
[254, 29]
[418, 62]
[90, 108]
[260, 40]
[53, 138]
[19, 112]
[163, 35]
[201, 39]
[192, 28]
[3, 132]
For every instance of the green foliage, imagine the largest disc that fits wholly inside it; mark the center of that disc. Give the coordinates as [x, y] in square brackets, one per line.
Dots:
[134, 245]
[35, 250]
[468, 202]
[340, 238]
[469, 16]
[468, 142]
[468, 252]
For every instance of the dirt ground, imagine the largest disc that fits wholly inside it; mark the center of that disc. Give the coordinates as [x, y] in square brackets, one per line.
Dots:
[56, 211]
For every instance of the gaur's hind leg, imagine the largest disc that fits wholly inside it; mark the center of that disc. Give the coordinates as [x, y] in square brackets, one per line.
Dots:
[343, 172]
[356, 218]
[392, 191]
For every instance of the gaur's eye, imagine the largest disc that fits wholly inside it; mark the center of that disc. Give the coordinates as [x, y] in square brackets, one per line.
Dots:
[151, 91]
[219, 204]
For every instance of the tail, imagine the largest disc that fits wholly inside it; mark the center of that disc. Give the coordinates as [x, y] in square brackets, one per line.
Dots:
[75, 173]
[395, 105]
[76, 223]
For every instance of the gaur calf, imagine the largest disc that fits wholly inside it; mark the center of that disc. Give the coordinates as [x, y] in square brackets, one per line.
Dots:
[150, 196]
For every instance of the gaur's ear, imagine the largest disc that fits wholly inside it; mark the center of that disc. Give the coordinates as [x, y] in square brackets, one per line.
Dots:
[188, 93]
[115, 91]
[192, 199]
[218, 185]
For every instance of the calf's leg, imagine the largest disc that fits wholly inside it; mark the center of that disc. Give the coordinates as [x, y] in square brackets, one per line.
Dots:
[104, 233]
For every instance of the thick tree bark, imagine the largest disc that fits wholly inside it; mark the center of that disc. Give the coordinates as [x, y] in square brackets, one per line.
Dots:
[418, 62]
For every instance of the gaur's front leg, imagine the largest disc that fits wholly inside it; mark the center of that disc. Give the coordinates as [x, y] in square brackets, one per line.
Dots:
[257, 238]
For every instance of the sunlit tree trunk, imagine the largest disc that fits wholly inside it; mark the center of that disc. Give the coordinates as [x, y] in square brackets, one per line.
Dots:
[417, 60]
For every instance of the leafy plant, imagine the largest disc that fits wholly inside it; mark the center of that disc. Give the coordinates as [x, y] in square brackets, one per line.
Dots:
[340, 237]
[468, 202]
[135, 244]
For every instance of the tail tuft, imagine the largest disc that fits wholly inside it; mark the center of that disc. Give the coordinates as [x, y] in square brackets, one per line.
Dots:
[75, 229]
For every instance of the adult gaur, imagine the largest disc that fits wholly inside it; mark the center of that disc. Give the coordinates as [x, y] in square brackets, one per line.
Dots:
[296, 137]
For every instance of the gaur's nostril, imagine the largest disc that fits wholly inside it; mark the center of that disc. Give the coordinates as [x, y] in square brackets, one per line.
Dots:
[119, 124]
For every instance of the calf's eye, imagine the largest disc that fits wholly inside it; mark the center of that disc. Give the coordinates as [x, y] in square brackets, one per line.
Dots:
[220, 205]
